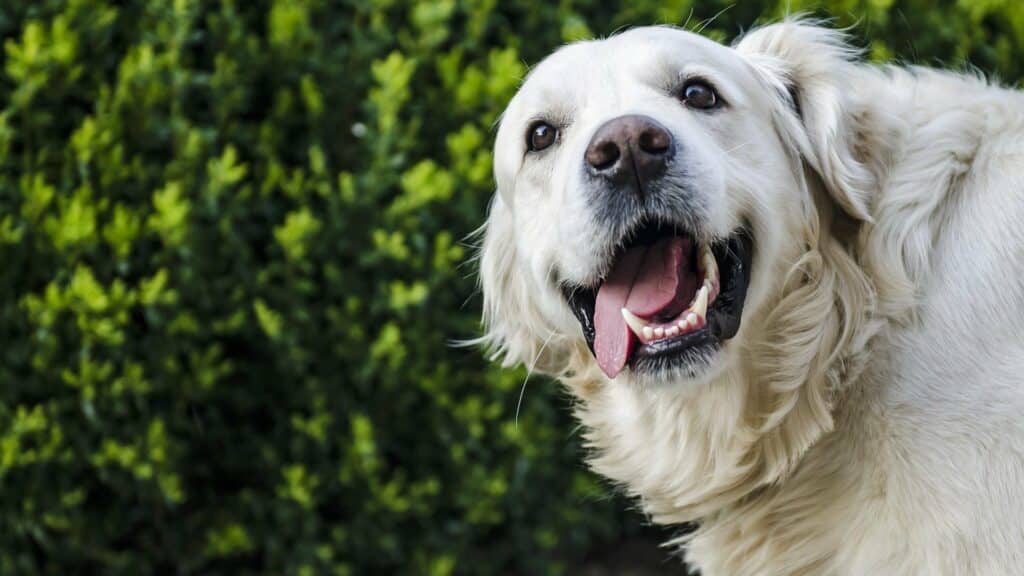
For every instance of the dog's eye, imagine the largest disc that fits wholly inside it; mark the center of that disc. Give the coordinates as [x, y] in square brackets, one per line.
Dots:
[540, 136]
[700, 95]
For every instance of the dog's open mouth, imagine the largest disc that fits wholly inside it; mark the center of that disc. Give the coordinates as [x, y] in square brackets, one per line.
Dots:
[667, 301]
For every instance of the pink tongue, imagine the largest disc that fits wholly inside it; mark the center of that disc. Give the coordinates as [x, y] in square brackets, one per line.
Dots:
[646, 280]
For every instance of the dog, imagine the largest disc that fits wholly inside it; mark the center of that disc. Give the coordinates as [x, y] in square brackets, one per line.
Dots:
[785, 289]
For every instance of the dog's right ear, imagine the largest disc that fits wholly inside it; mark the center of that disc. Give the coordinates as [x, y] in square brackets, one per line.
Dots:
[513, 327]
[810, 67]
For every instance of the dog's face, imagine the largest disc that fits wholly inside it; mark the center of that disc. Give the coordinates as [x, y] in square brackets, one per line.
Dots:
[650, 187]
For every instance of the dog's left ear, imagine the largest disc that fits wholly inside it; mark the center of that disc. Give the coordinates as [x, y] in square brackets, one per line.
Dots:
[810, 68]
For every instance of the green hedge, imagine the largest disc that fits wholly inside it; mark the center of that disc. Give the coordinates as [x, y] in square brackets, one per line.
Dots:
[231, 236]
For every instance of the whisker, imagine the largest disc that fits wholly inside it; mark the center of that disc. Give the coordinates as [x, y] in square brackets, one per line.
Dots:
[529, 372]
[533, 365]
[708, 21]
[688, 18]
[737, 147]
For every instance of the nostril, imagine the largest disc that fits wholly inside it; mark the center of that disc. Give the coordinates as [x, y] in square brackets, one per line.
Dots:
[603, 155]
[654, 141]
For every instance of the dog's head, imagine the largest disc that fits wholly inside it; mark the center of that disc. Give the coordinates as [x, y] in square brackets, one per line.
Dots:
[660, 213]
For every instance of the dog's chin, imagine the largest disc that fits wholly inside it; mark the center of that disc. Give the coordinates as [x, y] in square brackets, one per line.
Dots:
[683, 375]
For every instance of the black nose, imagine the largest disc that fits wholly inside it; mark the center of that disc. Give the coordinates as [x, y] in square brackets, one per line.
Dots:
[629, 149]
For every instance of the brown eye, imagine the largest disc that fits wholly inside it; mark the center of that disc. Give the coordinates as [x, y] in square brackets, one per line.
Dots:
[700, 95]
[540, 136]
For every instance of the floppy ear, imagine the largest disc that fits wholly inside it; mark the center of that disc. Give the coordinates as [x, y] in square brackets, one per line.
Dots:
[811, 68]
[514, 329]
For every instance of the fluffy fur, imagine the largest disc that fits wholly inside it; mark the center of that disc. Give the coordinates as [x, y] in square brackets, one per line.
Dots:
[867, 418]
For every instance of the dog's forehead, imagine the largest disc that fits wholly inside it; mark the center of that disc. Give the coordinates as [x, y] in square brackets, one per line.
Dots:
[651, 55]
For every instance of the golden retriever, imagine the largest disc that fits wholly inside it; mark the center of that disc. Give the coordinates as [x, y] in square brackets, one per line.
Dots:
[786, 288]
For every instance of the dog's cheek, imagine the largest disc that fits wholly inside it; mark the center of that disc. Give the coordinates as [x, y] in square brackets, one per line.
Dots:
[579, 235]
[719, 203]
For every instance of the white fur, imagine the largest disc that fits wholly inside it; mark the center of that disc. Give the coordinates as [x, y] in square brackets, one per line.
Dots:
[868, 418]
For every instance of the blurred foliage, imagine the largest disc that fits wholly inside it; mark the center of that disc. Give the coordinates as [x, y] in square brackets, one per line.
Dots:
[233, 263]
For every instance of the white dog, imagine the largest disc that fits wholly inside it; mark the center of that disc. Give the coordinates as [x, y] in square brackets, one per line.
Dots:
[786, 288]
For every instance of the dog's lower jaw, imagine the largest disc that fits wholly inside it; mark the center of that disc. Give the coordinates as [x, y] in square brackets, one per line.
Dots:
[685, 381]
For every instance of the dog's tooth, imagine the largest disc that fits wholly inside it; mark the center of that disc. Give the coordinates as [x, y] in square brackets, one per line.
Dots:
[648, 333]
[659, 332]
[636, 324]
[712, 289]
[700, 303]
[691, 320]
[672, 331]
